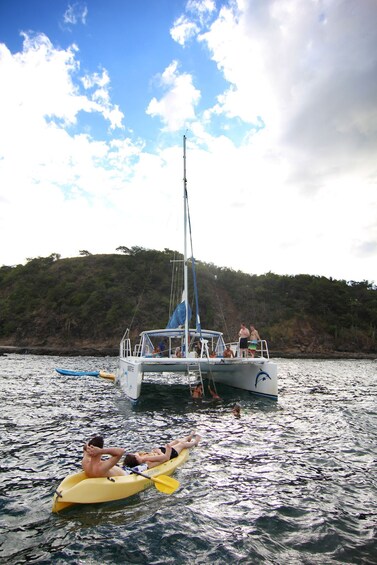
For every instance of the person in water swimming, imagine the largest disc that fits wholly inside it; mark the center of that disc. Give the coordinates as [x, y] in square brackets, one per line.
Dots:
[197, 392]
[236, 410]
[213, 393]
[161, 454]
[93, 464]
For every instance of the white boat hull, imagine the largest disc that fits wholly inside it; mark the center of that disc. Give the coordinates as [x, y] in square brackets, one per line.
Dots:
[258, 376]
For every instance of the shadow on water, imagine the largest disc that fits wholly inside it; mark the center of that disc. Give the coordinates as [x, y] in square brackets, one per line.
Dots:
[177, 400]
[128, 509]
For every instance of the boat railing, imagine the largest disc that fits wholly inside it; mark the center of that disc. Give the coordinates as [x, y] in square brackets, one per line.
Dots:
[125, 345]
[260, 351]
[263, 349]
[126, 348]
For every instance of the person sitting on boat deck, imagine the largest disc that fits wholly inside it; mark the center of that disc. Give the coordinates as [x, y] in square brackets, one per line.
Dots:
[162, 347]
[228, 352]
[156, 351]
[212, 354]
[254, 337]
[161, 454]
[197, 391]
[244, 335]
[198, 348]
[94, 466]
[178, 352]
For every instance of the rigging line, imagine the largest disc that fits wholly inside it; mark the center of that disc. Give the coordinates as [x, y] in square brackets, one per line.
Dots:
[193, 264]
[147, 279]
[211, 378]
[172, 292]
[176, 285]
[221, 310]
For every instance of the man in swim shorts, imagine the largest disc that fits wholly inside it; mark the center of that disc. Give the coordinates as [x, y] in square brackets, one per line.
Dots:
[244, 335]
[93, 464]
[161, 454]
[254, 337]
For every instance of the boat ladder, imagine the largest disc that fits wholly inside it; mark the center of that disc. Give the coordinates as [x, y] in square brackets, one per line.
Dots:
[211, 380]
[194, 375]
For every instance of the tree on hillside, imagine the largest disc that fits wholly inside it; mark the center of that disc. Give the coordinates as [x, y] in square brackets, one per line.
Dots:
[123, 249]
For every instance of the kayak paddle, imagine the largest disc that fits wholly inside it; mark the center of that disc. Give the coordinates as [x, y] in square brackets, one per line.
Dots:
[163, 483]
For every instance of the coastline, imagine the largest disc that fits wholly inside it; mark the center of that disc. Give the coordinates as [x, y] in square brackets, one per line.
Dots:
[97, 351]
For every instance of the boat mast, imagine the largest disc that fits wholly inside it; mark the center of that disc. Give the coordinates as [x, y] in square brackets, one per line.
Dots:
[185, 269]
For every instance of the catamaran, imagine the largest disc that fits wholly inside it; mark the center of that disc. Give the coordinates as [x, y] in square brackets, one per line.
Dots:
[195, 353]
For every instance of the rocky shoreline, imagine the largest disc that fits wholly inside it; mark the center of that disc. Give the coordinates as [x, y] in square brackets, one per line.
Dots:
[97, 351]
[61, 351]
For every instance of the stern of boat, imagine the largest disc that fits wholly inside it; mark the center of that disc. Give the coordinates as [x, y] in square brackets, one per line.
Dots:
[130, 378]
[266, 381]
[258, 376]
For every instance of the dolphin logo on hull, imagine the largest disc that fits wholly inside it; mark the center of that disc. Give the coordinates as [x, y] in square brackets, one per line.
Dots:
[261, 376]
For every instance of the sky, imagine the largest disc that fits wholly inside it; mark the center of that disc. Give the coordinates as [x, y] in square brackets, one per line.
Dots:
[277, 99]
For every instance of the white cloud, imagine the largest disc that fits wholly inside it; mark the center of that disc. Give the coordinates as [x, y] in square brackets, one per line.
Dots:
[40, 83]
[308, 70]
[50, 177]
[100, 96]
[75, 13]
[177, 106]
[295, 194]
[183, 30]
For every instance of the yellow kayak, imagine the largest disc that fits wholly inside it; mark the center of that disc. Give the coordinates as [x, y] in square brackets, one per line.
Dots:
[109, 376]
[78, 489]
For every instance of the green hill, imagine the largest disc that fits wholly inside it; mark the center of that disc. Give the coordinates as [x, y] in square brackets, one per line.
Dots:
[89, 301]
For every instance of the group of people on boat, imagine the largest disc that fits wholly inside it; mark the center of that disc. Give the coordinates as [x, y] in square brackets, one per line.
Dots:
[248, 340]
[94, 466]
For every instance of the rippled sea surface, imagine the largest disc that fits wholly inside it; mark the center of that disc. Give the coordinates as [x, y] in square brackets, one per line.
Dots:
[290, 482]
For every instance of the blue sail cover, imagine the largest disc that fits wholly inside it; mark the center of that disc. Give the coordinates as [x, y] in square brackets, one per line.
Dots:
[179, 316]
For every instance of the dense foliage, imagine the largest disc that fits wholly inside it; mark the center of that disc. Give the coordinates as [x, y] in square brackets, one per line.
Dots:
[92, 299]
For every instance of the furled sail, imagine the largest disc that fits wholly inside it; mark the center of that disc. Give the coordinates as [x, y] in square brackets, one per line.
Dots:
[178, 317]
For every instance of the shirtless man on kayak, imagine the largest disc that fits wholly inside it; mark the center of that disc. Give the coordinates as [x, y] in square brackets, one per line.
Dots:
[161, 454]
[94, 466]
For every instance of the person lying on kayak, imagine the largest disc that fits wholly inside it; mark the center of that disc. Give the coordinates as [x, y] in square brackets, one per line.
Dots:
[161, 454]
[94, 466]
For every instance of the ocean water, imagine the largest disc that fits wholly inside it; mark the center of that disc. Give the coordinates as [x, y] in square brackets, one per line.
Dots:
[289, 482]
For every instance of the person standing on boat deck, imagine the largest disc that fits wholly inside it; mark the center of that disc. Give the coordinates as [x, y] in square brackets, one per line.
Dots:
[228, 352]
[161, 454]
[244, 335]
[254, 338]
[94, 466]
